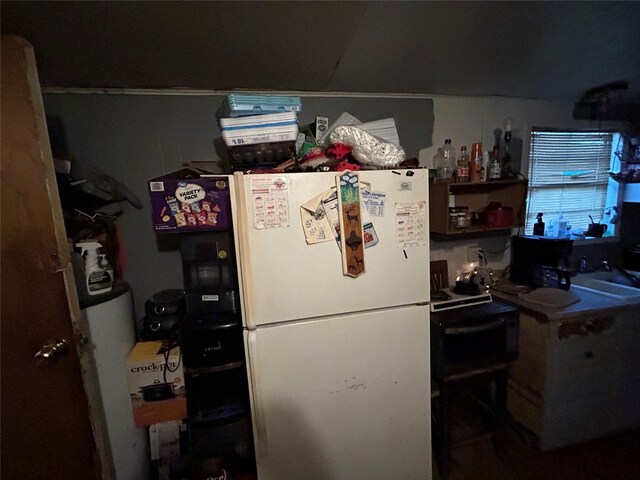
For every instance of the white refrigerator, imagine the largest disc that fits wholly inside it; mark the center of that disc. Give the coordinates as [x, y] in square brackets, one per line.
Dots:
[338, 367]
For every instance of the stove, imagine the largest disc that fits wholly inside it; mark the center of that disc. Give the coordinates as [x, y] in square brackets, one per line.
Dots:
[463, 339]
[456, 300]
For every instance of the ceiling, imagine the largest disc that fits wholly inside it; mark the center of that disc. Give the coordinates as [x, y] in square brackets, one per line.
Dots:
[549, 50]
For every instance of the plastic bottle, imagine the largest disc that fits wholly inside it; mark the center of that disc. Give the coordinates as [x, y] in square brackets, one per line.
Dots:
[559, 226]
[98, 280]
[475, 162]
[106, 266]
[77, 263]
[485, 166]
[438, 158]
[448, 163]
[462, 168]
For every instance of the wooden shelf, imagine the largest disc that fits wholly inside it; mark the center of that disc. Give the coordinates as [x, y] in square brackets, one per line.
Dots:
[476, 196]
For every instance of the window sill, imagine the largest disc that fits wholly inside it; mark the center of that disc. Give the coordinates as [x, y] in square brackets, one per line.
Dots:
[595, 241]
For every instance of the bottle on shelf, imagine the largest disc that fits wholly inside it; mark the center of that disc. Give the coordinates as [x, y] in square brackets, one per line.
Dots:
[462, 168]
[448, 163]
[438, 159]
[495, 169]
[484, 169]
[475, 162]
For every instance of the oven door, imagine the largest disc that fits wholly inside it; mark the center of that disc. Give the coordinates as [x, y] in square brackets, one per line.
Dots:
[484, 341]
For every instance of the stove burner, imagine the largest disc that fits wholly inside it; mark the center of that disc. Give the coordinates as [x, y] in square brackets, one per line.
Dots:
[438, 295]
[466, 288]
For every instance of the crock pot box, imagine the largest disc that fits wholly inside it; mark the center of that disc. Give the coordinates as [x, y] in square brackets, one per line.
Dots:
[190, 200]
[153, 400]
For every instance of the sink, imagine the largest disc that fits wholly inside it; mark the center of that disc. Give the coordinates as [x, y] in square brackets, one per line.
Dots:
[612, 284]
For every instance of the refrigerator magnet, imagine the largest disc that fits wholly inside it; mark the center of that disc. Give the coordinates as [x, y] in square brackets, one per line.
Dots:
[350, 224]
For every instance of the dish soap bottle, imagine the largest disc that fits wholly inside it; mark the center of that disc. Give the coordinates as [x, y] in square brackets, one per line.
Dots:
[98, 279]
[538, 227]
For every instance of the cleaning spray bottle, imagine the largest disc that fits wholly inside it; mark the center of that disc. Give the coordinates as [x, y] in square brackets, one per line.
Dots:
[106, 266]
[538, 227]
[99, 280]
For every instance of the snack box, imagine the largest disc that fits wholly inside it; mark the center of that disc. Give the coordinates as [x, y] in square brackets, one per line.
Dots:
[190, 200]
[156, 383]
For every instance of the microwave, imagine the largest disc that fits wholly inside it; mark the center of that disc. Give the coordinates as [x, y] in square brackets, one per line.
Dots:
[473, 337]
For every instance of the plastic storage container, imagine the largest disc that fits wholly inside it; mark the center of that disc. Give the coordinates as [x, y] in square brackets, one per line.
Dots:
[240, 105]
[558, 227]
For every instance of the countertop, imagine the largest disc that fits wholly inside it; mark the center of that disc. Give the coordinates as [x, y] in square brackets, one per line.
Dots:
[591, 305]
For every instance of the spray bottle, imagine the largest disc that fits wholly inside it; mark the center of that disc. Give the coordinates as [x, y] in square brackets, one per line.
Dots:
[99, 280]
[106, 266]
[538, 227]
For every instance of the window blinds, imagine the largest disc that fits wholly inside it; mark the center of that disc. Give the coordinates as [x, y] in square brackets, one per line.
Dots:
[568, 172]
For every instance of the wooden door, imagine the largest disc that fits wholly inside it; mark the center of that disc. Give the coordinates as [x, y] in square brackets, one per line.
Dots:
[46, 427]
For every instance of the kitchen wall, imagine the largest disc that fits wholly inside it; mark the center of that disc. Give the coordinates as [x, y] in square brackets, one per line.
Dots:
[136, 137]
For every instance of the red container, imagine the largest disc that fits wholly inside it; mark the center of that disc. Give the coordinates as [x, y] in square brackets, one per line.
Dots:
[499, 216]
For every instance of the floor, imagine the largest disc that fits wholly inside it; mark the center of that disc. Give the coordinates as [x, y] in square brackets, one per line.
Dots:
[513, 455]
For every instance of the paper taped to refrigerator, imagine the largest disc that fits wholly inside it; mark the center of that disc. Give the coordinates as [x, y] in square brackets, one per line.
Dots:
[320, 220]
[270, 200]
[314, 220]
[411, 221]
[374, 202]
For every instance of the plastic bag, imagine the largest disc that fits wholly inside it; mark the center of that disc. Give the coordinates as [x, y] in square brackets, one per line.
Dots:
[367, 149]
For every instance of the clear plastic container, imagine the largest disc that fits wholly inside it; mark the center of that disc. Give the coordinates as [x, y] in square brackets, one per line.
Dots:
[558, 227]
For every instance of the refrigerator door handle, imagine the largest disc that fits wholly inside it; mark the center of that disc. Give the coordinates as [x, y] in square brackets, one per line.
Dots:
[258, 413]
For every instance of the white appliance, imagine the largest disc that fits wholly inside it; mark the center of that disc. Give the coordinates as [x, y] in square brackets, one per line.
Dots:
[338, 366]
[111, 334]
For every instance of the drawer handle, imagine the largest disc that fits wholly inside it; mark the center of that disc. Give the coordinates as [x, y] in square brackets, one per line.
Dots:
[588, 355]
[468, 330]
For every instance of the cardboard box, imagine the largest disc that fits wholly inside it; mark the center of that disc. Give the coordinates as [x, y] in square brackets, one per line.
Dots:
[156, 383]
[190, 200]
[166, 439]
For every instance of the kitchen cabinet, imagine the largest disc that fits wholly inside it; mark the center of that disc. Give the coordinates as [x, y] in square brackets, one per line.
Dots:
[476, 196]
[576, 380]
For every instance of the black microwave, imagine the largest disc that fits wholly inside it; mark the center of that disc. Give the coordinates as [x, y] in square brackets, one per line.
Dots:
[473, 337]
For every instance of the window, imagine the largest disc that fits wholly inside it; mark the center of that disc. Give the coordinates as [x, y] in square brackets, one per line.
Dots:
[569, 173]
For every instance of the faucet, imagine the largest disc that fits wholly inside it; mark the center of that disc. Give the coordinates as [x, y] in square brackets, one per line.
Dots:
[604, 265]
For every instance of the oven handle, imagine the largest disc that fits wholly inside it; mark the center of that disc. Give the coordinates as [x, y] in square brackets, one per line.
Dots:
[479, 328]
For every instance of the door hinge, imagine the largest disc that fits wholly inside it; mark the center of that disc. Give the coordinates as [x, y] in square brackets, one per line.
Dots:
[81, 339]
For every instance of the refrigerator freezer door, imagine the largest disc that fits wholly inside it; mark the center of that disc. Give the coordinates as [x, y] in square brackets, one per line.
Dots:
[285, 279]
[343, 397]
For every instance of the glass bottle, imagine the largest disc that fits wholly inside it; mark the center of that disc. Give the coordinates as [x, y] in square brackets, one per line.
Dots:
[462, 168]
[495, 169]
[475, 162]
